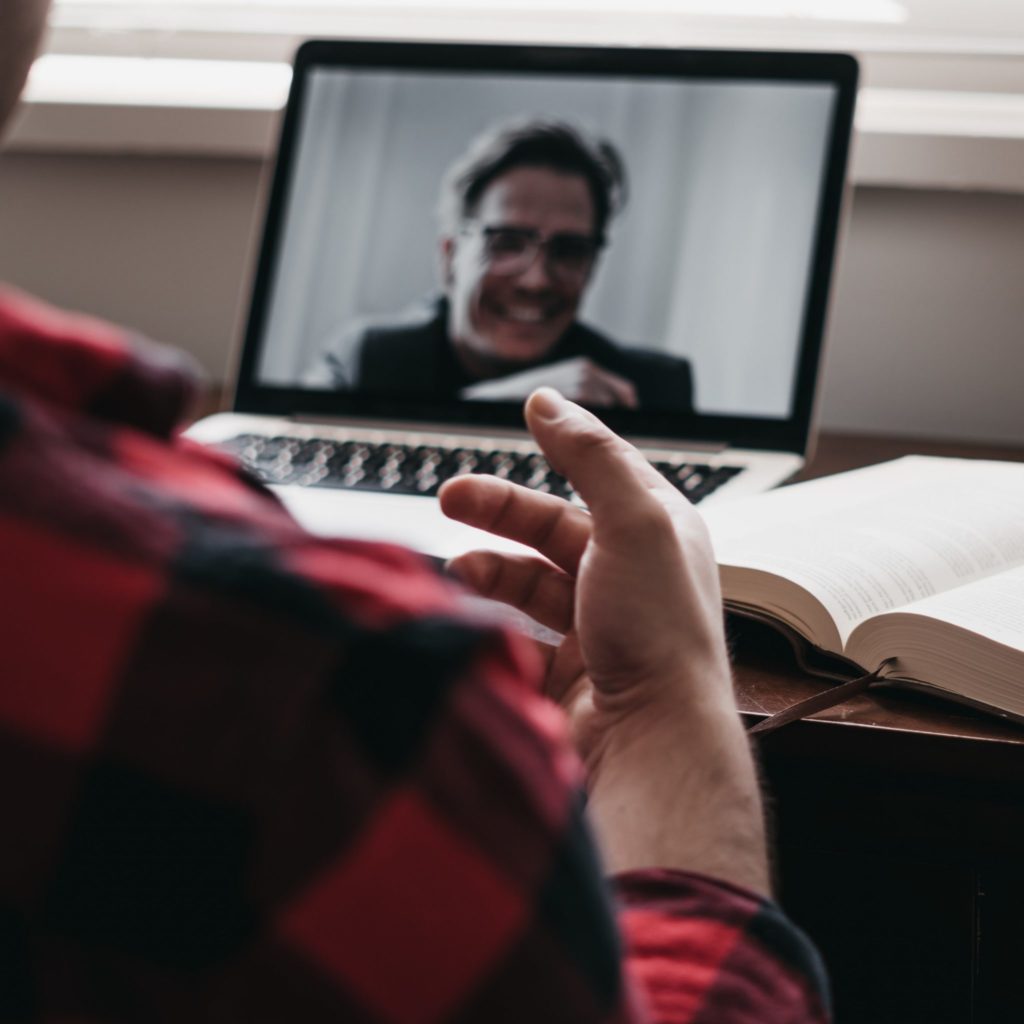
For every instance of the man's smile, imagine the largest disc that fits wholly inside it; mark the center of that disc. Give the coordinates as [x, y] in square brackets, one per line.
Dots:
[525, 313]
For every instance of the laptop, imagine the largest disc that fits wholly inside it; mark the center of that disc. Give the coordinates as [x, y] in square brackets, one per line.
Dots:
[652, 232]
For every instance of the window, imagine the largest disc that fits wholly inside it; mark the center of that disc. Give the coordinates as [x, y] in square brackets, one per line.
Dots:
[945, 32]
[943, 103]
[949, 26]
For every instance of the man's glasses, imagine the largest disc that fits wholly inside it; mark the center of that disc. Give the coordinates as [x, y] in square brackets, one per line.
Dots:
[568, 256]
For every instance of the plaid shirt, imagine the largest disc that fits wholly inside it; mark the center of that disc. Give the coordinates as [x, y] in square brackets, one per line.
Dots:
[246, 774]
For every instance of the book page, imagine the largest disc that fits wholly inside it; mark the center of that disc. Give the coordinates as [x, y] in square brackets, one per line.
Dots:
[992, 607]
[873, 540]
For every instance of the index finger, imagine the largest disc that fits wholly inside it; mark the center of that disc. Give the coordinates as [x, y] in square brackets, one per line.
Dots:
[550, 525]
[611, 476]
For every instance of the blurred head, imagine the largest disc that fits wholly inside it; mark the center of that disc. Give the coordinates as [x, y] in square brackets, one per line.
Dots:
[524, 216]
[21, 28]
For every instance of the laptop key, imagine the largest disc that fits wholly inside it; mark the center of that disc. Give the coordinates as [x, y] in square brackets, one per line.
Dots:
[401, 469]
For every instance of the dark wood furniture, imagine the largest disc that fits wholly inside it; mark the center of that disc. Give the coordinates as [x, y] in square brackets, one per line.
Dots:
[898, 823]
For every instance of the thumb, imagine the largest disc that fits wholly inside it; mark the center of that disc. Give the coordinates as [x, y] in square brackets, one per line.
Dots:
[611, 476]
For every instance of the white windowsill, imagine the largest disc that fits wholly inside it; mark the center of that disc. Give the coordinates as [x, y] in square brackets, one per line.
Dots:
[221, 109]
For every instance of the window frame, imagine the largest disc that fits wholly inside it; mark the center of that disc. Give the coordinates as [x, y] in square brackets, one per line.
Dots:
[919, 110]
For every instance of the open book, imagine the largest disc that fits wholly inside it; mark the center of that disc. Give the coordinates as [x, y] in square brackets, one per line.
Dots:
[920, 560]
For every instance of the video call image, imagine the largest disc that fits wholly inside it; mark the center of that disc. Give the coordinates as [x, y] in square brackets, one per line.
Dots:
[641, 244]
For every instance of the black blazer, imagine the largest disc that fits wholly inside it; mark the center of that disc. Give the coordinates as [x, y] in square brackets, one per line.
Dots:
[417, 360]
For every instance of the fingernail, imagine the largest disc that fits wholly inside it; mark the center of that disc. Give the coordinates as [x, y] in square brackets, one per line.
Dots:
[548, 404]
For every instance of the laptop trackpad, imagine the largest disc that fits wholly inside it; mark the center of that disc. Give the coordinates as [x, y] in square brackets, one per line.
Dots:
[412, 521]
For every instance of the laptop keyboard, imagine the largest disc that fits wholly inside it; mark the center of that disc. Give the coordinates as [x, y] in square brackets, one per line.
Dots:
[406, 469]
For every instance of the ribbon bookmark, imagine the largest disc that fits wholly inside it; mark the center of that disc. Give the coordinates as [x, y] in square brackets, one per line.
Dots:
[819, 702]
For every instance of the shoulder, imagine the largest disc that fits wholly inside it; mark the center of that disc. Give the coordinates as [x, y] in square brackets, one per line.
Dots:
[367, 350]
[401, 353]
[404, 330]
[321, 723]
[81, 364]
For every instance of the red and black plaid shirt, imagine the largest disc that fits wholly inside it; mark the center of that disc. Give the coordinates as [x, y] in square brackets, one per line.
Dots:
[246, 774]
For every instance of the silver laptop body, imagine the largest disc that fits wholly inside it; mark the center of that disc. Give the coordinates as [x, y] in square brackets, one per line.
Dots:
[398, 317]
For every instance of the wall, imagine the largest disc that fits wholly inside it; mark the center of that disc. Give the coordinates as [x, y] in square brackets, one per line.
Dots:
[160, 245]
[926, 331]
[927, 336]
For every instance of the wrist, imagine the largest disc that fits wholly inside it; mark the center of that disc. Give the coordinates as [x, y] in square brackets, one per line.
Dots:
[659, 738]
[664, 702]
[679, 790]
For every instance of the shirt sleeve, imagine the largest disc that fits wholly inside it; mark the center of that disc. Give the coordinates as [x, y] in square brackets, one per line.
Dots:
[703, 950]
[316, 789]
[459, 881]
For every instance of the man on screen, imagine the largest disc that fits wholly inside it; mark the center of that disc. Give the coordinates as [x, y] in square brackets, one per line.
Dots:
[524, 216]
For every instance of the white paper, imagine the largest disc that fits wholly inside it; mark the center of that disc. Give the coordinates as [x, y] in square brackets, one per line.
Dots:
[877, 539]
[992, 607]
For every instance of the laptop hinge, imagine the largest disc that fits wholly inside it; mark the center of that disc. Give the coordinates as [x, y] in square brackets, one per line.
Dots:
[676, 443]
[412, 426]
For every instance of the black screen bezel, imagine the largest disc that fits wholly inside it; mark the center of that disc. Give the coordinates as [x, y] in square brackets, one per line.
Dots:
[789, 434]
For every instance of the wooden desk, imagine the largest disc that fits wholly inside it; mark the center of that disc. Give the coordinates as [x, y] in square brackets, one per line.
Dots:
[899, 826]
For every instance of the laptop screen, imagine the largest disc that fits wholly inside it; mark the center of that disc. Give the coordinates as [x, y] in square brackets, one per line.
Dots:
[649, 232]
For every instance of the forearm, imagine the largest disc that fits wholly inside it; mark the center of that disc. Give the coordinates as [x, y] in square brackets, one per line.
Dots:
[681, 791]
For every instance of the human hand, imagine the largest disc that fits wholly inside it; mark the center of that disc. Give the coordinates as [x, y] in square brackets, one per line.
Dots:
[642, 671]
[633, 585]
[579, 379]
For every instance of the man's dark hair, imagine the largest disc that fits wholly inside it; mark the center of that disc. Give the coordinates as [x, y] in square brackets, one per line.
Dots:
[536, 142]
